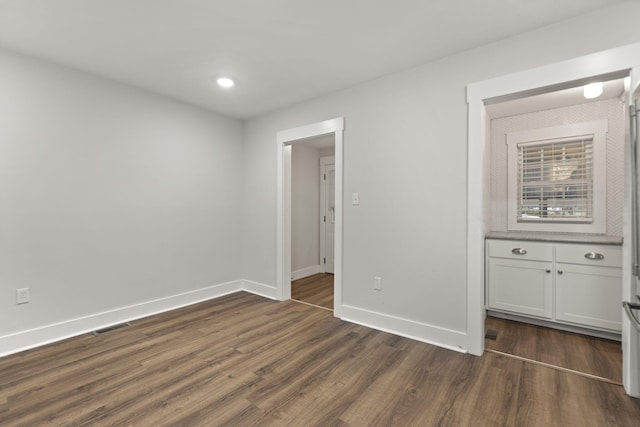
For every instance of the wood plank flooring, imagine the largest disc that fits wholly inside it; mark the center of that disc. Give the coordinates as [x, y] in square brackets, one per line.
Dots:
[243, 360]
[316, 289]
[590, 355]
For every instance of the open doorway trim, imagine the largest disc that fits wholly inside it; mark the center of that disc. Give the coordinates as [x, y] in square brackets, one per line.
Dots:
[530, 82]
[285, 139]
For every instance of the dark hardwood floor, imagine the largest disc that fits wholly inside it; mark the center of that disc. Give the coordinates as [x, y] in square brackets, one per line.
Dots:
[316, 289]
[243, 360]
[582, 353]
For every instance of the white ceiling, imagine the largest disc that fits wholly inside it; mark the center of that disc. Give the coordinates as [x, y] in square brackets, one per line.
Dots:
[279, 52]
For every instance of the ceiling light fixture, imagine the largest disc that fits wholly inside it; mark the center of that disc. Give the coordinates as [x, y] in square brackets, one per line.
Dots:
[593, 90]
[225, 82]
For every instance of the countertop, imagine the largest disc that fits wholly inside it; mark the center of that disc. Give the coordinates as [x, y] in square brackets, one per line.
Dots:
[555, 237]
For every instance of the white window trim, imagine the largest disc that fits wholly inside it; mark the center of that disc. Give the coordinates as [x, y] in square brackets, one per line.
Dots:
[598, 129]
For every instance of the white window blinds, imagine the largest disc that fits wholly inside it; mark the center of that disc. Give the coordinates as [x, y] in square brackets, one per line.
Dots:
[555, 180]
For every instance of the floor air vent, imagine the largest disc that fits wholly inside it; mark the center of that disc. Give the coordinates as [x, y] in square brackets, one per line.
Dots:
[491, 334]
[110, 328]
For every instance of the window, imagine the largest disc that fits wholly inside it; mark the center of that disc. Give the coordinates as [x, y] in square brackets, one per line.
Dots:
[556, 178]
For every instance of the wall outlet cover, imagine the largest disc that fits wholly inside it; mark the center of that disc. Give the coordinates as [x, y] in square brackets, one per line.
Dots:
[22, 296]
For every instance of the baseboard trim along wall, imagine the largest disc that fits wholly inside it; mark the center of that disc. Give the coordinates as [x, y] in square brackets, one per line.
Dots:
[37, 337]
[259, 289]
[441, 337]
[24, 340]
[305, 272]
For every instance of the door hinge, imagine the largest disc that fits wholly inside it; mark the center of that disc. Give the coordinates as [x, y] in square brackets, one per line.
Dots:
[325, 177]
[325, 260]
[324, 218]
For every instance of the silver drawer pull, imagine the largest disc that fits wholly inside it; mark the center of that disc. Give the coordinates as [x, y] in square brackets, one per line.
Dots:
[593, 255]
[519, 251]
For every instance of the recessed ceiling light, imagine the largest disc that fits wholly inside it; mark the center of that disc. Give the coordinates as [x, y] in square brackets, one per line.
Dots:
[592, 90]
[225, 82]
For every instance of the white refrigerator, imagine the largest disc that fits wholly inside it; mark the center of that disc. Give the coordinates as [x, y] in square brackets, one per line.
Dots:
[631, 276]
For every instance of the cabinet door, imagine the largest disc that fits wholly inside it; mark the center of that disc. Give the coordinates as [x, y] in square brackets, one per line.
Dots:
[523, 287]
[589, 296]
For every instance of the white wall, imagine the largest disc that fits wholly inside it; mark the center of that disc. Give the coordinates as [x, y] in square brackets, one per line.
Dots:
[611, 110]
[327, 152]
[109, 196]
[405, 146]
[305, 207]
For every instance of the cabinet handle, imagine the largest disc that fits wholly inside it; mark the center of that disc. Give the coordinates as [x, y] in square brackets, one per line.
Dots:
[519, 251]
[593, 255]
[560, 271]
[628, 306]
[547, 271]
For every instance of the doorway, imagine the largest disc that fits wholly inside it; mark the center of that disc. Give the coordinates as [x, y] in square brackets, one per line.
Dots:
[285, 140]
[528, 306]
[579, 71]
[313, 221]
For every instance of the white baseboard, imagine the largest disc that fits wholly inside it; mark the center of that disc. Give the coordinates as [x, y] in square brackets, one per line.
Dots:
[259, 289]
[441, 337]
[305, 272]
[36, 337]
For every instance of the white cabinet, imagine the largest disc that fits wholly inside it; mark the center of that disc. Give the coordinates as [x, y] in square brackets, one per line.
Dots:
[521, 277]
[560, 282]
[589, 286]
[521, 286]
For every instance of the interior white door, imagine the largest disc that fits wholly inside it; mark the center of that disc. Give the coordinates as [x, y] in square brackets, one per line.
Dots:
[329, 217]
[631, 289]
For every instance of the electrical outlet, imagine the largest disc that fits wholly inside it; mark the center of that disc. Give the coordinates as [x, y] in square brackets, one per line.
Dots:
[377, 283]
[22, 296]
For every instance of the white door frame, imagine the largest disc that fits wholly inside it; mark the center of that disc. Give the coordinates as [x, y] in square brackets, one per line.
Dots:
[324, 162]
[537, 80]
[285, 139]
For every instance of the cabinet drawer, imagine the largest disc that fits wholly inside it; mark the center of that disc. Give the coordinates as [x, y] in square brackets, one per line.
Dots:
[598, 255]
[516, 249]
